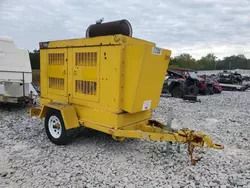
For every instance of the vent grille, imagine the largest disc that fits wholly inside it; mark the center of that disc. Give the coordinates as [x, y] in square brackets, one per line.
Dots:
[56, 59]
[56, 83]
[86, 59]
[86, 87]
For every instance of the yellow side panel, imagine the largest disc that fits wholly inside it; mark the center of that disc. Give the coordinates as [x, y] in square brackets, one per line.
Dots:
[149, 87]
[95, 126]
[144, 77]
[43, 73]
[132, 67]
[108, 119]
[126, 119]
[104, 118]
[110, 78]
[70, 75]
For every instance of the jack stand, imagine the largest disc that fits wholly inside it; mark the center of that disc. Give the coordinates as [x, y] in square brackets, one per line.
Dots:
[170, 116]
[167, 147]
[178, 148]
[169, 127]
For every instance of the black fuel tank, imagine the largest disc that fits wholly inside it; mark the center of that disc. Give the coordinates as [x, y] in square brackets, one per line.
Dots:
[110, 28]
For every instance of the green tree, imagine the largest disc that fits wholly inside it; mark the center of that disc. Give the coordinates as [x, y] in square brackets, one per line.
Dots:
[35, 59]
[208, 62]
[185, 60]
[235, 62]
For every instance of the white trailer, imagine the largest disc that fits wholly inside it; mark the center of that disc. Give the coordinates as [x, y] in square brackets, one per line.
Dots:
[15, 73]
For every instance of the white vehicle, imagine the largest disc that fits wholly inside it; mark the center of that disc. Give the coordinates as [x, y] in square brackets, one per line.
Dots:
[15, 73]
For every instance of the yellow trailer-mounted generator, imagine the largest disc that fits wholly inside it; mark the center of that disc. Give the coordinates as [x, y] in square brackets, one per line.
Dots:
[109, 83]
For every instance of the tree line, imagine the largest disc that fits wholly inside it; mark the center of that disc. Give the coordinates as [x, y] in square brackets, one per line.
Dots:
[210, 62]
[185, 60]
[35, 59]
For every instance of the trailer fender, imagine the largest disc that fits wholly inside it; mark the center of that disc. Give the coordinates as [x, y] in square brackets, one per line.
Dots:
[68, 112]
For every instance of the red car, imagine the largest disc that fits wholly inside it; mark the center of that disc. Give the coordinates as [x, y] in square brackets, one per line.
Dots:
[216, 86]
[195, 84]
[213, 85]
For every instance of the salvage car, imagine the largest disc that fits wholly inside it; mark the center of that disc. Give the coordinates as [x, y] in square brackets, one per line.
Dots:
[231, 81]
[175, 85]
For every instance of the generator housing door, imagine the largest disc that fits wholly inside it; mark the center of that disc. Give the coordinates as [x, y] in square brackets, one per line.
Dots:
[57, 72]
[86, 73]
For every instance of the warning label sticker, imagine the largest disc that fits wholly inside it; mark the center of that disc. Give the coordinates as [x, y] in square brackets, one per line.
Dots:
[156, 50]
[146, 105]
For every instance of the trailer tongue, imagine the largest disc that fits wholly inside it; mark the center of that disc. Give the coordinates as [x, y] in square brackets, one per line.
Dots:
[155, 131]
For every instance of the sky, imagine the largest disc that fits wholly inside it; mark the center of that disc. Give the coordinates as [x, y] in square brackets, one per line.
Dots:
[197, 27]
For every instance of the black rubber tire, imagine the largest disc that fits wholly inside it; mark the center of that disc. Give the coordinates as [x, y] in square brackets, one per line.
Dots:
[215, 90]
[193, 90]
[211, 90]
[165, 88]
[64, 137]
[204, 91]
[177, 92]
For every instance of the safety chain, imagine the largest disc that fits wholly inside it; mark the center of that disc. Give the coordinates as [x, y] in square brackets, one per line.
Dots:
[191, 149]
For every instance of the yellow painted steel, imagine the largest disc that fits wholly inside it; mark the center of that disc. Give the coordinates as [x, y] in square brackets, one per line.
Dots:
[104, 75]
[68, 113]
[111, 84]
[145, 76]
[35, 112]
[108, 119]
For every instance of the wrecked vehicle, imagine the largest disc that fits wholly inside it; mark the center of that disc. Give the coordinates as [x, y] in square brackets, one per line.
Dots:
[231, 81]
[195, 85]
[212, 84]
[175, 84]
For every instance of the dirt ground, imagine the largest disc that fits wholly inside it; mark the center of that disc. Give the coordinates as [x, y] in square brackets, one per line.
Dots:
[29, 159]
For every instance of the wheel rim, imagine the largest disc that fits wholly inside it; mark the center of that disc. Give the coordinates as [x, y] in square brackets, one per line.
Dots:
[55, 127]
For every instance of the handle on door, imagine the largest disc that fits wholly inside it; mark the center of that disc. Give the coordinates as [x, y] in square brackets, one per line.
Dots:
[64, 71]
[75, 72]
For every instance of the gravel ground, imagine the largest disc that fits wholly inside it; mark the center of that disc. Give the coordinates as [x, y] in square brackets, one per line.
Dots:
[29, 159]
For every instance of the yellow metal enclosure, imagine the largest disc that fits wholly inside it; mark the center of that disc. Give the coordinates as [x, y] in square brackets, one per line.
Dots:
[113, 81]
[108, 83]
